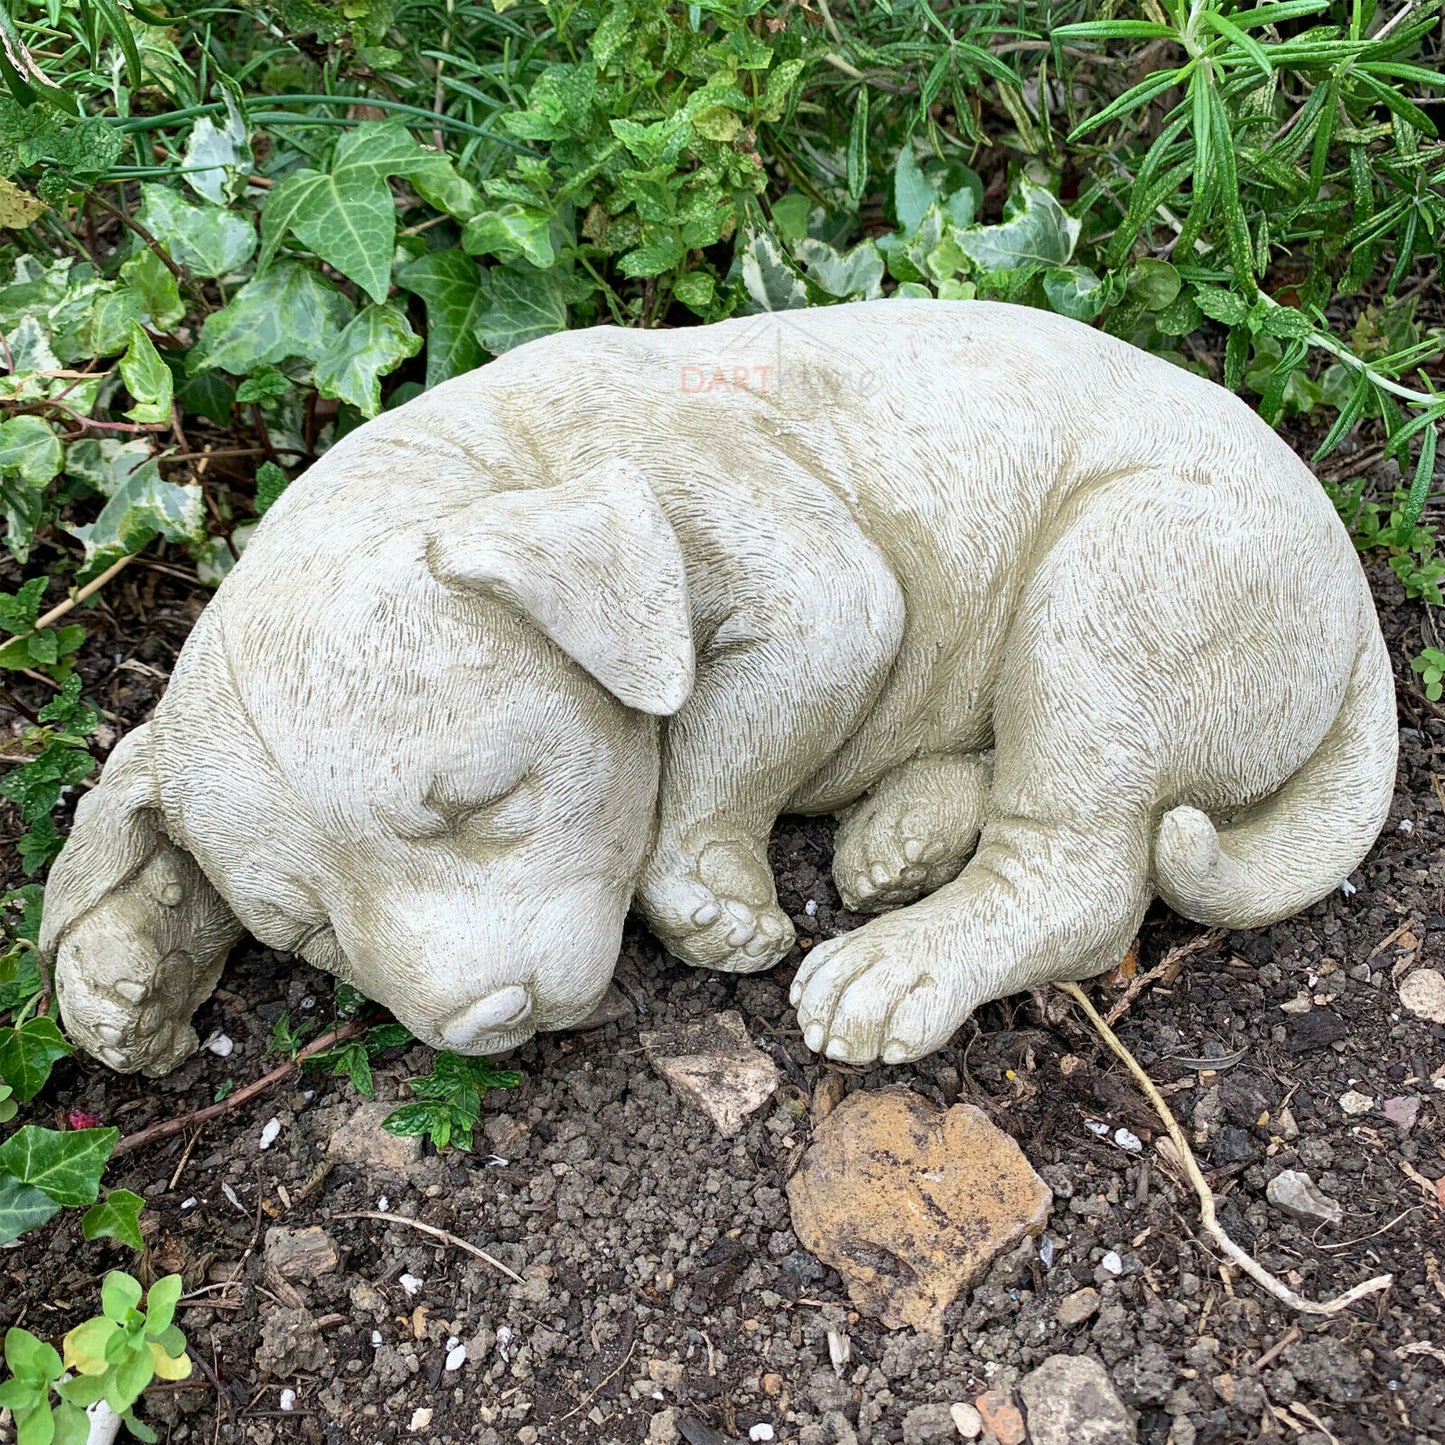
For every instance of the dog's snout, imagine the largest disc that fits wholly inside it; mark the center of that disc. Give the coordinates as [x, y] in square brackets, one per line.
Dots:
[504, 1011]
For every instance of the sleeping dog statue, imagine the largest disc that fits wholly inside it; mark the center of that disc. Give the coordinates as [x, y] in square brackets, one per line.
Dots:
[1052, 625]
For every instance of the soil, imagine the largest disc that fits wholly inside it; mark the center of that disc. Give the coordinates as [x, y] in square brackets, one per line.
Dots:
[664, 1295]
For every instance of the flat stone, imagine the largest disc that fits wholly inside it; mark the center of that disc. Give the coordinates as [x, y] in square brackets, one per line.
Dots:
[911, 1203]
[1070, 1400]
[1315, 1030]
[1297, 1194]
[1423, 993]
[966, 1420]
[1355, 1103]
[712, 1064]
[1078, 1307]
[361, 1142]
[301, 1254]
[1402, 1111]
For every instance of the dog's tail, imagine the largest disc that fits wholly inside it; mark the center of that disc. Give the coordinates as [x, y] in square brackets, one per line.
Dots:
[1297, 845]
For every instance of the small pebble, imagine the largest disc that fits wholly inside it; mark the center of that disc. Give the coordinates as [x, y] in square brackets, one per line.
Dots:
[383, 1204]
[270, 1133]
[189, 1203]
[376, 1337]
[1126, 1140]
[967, 1420]
[1097, 1126]
[1348, 888]
[420, 1419]
[763, 1431]
[1046, 1257]
[410, 1283]
[1354, 1103]
[1407, 825]
[222, 1045]
[1112, 1263]
[288, 1400]
[456, 1357]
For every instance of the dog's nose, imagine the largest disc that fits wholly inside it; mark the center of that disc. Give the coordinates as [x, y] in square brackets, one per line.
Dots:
[502, 1011]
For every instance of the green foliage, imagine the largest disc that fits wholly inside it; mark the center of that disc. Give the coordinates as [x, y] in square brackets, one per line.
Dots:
[1431, 666]
[59, 759]
[449, 1100]
[352, 1060]
[112, 1357]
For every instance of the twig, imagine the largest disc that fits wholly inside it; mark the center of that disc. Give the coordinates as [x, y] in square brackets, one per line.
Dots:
[1289, 1337]
[1251, 1266]
[167, 1127]
[593, 1393]
[149, 240]
[1172, 959]
[441, 1234]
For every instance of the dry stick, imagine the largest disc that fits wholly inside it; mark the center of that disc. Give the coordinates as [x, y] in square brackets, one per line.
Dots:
[167, 1127]
[1251, 1266]
[441, 1234]
[1141, 981]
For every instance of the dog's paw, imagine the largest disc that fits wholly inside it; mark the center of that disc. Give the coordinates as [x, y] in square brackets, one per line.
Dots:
[892, 851]
[877, 993]
[719, 911]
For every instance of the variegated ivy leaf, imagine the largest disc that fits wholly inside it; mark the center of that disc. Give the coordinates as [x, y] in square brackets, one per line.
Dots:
[207, 240]
[375, 343]
[147, 378]
[30, 450]
[143, 506]
[1036, 233]
[857, 274]
[289, 310]
[769, 278]
[218, 158]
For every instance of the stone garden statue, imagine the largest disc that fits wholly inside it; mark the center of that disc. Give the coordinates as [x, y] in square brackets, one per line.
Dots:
[1052, 625]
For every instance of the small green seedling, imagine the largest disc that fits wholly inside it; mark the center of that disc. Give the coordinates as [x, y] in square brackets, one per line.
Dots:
[113, 1357]
[1431, 666]
[449, 1100]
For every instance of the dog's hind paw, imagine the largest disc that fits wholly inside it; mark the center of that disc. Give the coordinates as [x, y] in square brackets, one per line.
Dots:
[720, 912]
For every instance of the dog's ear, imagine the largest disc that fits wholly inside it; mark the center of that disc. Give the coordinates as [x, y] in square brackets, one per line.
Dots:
[595, 563]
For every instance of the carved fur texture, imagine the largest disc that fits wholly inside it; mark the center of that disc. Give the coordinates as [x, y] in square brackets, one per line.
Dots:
[1054, 626]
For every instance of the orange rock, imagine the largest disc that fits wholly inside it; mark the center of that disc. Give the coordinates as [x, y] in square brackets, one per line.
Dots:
[911, 1203]
[1001, 1417]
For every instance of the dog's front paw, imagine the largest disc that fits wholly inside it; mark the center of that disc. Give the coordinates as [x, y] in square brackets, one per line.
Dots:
[122, 1004]
[719, 910]
[877, 993]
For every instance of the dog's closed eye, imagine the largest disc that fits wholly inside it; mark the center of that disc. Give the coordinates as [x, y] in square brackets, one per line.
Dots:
[500, 816]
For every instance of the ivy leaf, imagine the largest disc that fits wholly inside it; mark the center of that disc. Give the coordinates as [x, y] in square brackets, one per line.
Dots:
[65, 1166]
[147, 378]
[771, 282]
[22, 1207]
[147, 293]
[1036, 234]
[206, 240]
[1075, 291]
[453, 289]
[288, 311]
[376, 343]
[142, 506]
[859, 273]
[524, 305]
[912, 195]
[508, 230]
[30, 449]
[27, 1053]
[218, 159]
[117, 1216]
[346, 215]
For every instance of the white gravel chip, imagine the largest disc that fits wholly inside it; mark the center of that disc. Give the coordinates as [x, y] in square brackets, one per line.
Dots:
[288, 1400]
[222, 1045]
[763, 1431]
[1112, 1263]
[270, 1133]
[1128, 1141]
[420, 1420]
[410, 1283]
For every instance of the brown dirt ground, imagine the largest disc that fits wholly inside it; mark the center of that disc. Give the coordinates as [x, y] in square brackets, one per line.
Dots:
[661, 1273]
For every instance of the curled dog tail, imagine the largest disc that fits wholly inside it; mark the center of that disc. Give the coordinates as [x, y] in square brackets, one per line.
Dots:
[1300, 843]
